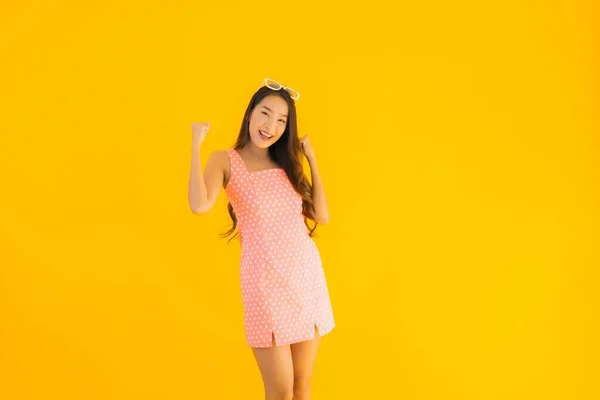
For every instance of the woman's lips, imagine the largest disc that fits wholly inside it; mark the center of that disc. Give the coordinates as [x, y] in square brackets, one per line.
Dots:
[264, 136]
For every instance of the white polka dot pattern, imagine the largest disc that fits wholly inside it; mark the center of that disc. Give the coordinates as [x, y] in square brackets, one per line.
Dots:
[283, 285]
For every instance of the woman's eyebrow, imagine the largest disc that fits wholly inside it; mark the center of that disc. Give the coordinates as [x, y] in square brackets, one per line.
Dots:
[272, 110]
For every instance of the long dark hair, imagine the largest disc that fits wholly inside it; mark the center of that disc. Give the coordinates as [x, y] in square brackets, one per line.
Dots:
[285, 152]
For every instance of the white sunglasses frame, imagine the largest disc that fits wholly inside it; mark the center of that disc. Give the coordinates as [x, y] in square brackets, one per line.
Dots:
[265, 83]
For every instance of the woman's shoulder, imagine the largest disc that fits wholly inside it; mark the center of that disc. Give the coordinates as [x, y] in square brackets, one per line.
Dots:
[221, 153]
[221, 157]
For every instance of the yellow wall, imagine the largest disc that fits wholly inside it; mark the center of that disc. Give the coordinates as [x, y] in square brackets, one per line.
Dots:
[459, 147]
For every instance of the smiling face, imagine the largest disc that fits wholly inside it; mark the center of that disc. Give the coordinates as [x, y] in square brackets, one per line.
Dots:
[269, 117]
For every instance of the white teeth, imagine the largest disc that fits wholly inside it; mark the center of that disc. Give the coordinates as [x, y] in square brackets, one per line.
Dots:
[264, 134]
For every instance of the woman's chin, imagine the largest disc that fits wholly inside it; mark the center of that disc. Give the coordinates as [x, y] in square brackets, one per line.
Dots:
[259, 142]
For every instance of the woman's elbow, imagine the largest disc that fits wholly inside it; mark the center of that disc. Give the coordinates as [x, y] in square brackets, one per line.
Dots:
[199, 210]
[322, 220]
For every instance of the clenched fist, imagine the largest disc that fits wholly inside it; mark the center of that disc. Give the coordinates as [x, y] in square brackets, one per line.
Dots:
[199, 131]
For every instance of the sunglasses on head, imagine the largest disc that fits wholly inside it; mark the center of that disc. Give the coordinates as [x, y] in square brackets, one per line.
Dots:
[274, 85]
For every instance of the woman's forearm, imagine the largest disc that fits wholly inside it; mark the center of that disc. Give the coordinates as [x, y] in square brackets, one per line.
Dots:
[318, 193]
[197, 192]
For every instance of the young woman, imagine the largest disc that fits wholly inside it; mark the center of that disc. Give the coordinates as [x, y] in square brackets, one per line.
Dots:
[284, 291]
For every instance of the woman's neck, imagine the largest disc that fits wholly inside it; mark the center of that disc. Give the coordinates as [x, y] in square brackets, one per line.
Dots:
[257, 152]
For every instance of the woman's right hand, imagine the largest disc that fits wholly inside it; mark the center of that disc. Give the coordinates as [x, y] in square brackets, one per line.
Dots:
[199, 131]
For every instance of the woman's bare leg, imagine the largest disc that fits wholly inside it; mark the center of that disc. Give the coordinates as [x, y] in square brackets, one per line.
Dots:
[277, 371]
[303, 359]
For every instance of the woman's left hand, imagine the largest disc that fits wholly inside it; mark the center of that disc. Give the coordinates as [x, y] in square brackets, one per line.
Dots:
[306, 147]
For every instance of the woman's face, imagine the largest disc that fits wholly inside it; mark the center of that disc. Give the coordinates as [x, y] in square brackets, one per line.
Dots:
[270, 118]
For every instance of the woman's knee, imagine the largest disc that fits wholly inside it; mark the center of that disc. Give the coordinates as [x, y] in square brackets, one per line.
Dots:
[302, 385]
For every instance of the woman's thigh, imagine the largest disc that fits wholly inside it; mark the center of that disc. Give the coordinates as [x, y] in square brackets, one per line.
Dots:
[276, 368]
[304, 355]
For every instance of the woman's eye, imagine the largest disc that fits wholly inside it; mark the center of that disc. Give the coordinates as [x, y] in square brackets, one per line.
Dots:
[282, 121]
[264, 113]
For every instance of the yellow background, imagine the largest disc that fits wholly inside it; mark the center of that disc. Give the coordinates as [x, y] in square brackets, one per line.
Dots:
[459, 147]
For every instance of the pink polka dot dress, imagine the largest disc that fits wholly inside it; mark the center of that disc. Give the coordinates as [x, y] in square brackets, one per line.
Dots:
[283, 286]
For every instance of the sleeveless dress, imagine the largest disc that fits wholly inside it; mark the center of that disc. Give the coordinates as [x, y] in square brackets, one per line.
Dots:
[283, 286]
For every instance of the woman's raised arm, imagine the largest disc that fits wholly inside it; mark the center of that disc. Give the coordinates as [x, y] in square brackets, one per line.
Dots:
[204, 188]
